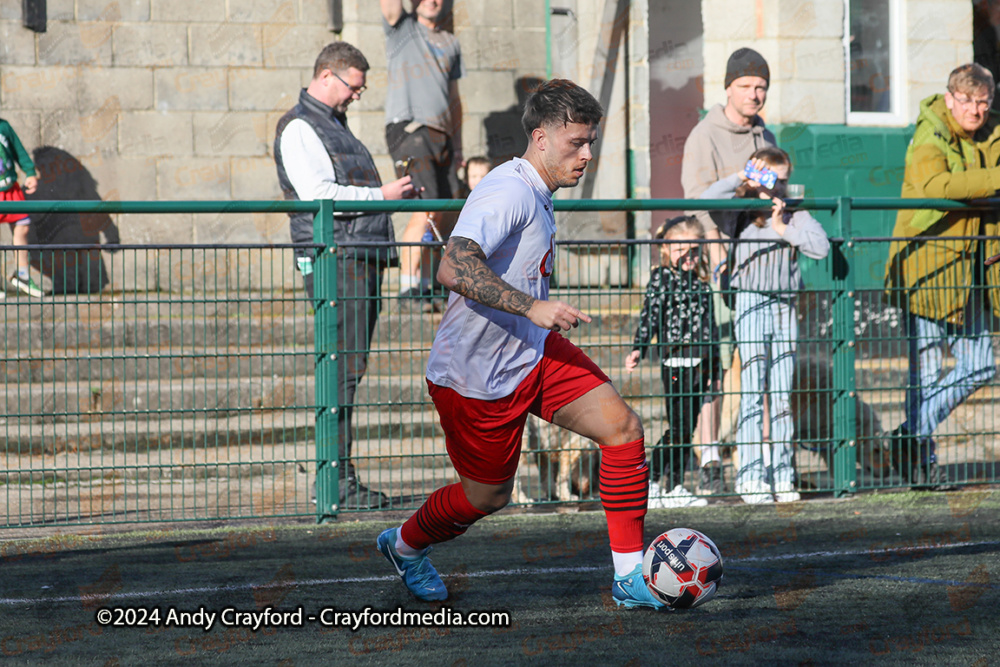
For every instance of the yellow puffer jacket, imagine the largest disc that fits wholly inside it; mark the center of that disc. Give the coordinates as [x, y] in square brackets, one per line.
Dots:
[932, 273]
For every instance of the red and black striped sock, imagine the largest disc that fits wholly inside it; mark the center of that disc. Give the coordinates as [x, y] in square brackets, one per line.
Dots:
[624, 492]
[445, 515]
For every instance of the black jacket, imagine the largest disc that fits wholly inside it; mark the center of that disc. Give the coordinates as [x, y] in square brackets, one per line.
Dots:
[677, 311]
[353, 165]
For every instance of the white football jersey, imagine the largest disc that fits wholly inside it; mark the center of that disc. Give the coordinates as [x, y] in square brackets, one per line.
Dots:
[479, 351]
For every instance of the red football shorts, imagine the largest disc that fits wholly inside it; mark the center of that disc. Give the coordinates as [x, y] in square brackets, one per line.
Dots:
[14, 194]
[484, 437]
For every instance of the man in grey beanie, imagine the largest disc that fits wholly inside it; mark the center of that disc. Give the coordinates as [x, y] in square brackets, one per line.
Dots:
[719, 146]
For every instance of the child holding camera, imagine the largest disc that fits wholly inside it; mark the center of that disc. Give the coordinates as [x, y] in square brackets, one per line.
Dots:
[677, 311]
[764, 272]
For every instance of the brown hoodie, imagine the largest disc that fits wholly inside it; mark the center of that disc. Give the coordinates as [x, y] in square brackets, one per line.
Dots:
[716, 148]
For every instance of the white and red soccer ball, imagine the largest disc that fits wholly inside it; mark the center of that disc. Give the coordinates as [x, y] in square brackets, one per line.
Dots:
[682, 568]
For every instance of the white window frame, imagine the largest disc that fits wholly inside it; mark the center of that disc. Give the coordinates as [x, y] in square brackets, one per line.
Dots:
[897, 56]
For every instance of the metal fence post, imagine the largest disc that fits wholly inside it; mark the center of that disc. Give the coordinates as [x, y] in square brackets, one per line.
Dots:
[845, 442]
[327, 365]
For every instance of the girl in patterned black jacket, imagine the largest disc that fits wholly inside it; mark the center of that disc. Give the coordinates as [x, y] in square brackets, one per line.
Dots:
[678, 312]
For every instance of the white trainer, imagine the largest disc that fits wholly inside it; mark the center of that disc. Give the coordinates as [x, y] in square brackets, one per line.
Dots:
[681, 497]
[656, 494]
[784, 492]
[754, 492]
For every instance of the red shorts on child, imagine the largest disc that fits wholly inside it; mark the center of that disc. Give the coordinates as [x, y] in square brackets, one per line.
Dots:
[14, 194]
[484, 437]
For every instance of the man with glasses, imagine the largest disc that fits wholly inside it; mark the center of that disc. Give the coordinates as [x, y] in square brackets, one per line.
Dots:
[319, 158]
[937, 272]
[423, 123]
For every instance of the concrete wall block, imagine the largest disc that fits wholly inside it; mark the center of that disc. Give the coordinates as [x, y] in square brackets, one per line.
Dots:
[191, 88]
[271, 128]
[317, 12]
[506, 49]
[945, 19]
[369, 128]
[230, 134]
[261, 270]
[132, 86]
[27, 124]
[483, 13]
[931, 61]
[131, 271]
[813, 60]
[154, 133]
[212, 228]
[263, 90]
[188, 11]
[121, 178]
[148, 45]
[262, 11]
[467, 36]
[82, 134]
[72, 43]
[226, 44]
[809, 18]
[386, 170]
[272, 269]
[374, 97]
[112, 10]
[483, 92]
[254, 178]
[154, 229]
[474, 135]
[369, 37]
[288, 45]
[723, 19]
[529, 14]
[57, 10]
[805, 102]
[193, 178]
[17, 44]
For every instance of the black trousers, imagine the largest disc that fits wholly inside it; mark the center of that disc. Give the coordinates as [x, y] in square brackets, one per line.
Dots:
[686, 388]
[359, 290]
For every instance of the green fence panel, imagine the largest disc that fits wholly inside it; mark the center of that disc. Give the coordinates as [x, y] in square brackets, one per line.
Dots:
[207, 388]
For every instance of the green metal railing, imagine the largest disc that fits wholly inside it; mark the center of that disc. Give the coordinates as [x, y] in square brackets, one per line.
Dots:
[401, 341]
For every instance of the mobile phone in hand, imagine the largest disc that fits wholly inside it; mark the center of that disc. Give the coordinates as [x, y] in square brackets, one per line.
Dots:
[764, 176]
[403, 167]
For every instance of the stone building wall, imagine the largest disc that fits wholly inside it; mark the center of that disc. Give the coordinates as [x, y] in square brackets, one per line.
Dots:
[803, 42]
[178, 100]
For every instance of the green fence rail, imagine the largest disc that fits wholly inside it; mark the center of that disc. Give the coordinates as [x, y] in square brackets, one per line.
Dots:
[219, 352]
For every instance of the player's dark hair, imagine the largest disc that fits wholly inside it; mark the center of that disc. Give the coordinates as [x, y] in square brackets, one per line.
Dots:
[560, 101]
[338, 57]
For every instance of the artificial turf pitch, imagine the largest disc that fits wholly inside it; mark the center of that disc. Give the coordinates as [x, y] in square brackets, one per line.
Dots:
[891, 578]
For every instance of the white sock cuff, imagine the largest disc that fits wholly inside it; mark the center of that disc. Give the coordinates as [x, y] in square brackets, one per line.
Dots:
[711, 454]
[407, 281]
[626, 562]
[404, 549]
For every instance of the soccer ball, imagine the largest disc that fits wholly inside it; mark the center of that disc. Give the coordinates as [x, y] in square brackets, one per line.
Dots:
[682, 568]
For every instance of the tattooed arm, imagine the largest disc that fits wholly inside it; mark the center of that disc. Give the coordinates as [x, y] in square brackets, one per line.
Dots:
[463, 270]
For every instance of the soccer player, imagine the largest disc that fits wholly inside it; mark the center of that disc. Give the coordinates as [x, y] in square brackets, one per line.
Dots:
[499, 355]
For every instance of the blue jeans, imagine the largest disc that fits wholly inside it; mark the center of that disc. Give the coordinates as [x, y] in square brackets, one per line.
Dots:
[766, 332]
[930, 398]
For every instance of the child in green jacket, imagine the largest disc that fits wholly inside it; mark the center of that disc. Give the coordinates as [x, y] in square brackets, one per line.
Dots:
[12, 154]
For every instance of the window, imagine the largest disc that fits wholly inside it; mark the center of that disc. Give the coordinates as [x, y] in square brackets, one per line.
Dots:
[872, 43]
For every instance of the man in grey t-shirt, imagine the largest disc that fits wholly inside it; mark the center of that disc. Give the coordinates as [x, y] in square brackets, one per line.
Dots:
[423, 121]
